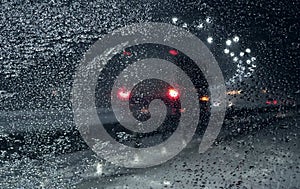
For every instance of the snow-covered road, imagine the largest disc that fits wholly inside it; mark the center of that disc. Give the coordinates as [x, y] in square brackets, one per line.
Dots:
[268, 158]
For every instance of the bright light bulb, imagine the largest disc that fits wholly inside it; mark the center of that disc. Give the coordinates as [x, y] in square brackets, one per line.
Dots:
[208, 20]
[200, 26]
[174, 20]
[173, 93]
[210, 40]
[236, 39]
[228, 42]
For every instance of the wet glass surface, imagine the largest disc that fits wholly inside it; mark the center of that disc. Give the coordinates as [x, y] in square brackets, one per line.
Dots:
[256, 46]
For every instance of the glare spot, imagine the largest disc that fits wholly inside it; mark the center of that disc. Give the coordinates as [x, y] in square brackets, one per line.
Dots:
[200, 26]
[248, 74]
[236, 39]
[210, 40]
[163, 150]
[235, 59]
[136, 158]
[173, 93]
[228, 42]
[123, 94]
[248, 50]
[226, 51]
[204, 98]
[216, 104]
[166, 182]
[208, 20]
[99, 169]
[232, 54]
[242, 54]
[174, 20]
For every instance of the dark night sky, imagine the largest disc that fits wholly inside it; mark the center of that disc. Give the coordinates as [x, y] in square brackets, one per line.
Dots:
[271, 28]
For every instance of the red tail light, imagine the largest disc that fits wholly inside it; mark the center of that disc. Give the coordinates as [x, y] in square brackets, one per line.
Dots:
[173, 52]
[173, 93]
[271, 102]
[123, 94]
[126, 53]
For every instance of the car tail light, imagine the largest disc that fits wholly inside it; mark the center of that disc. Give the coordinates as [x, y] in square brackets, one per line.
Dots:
[126, 53]
[274, 102]
[123, 94]
[173, 52]
[268, 102]
[173, 93]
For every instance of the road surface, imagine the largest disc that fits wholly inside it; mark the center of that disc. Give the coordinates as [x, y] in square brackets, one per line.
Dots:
[264, 158]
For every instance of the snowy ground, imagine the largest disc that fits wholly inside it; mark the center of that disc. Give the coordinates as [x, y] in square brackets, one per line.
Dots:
[265, 159]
